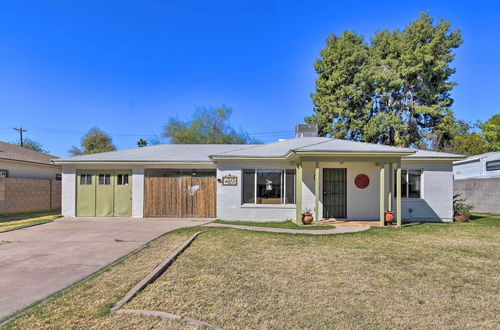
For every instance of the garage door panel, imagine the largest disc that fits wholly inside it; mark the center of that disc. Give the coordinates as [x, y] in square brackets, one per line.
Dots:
[100, 194]
[180, 197]
[123, 193]
[104, 194]
[85, 193]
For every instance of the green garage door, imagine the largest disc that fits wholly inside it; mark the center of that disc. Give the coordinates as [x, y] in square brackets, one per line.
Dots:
[103, 193]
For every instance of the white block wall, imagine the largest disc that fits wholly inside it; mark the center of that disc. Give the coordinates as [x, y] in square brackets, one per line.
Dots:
[436, 202]
[229, 197]
[362, 204]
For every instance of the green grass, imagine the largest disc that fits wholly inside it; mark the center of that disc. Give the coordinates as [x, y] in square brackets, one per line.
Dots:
[286, 225]
[422, 276]
[10, 222]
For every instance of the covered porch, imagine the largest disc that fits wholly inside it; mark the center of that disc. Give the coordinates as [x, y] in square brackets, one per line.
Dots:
[343, 188]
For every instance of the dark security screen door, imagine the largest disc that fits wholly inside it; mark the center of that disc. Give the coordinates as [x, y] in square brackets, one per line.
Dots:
[334, 193]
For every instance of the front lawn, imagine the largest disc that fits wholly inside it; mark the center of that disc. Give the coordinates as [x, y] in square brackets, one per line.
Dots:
[422, 276]
[285, 224]
[20, 220]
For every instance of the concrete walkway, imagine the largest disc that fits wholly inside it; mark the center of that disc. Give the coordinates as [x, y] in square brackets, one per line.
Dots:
[38, 261]
[337, 230]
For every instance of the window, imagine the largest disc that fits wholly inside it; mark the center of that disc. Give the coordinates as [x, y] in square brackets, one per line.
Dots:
[122, 180]
[268, 186]
[4, 173]
[58, 177]
[85, 179]
[411, 183]
[104, 179]
[493, 165]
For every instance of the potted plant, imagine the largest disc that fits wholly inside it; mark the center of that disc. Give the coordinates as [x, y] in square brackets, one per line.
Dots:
[461, 211]
[389, 217]
[307, 217]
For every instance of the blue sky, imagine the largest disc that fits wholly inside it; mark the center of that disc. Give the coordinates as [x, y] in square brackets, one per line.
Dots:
[127, 66]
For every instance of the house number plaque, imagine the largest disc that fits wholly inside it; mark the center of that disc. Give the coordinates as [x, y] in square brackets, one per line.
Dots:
[229, 180]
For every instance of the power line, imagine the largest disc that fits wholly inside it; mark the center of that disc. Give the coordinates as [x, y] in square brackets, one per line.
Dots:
[21, 130]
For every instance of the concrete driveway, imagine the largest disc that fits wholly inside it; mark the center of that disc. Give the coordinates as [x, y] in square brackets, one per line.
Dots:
[38, 261]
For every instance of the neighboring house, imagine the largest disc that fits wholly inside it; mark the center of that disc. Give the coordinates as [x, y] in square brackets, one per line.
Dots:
[19, 162]
[478, 166]
[270, 182]
[477, 180]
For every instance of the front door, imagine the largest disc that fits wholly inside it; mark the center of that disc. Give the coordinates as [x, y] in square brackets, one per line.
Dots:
[334, 193]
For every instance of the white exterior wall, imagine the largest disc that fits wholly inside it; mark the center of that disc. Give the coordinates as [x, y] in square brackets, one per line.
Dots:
[362, 204]
[436, 202]
[137, 192]
[229, 205]
[68, 195]
[29, 171]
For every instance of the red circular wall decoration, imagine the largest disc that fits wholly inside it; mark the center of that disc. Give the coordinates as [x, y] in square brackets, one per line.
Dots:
[362, 181]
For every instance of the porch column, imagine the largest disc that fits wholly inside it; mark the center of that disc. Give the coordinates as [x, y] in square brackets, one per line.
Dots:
[382, 194]
[316, 193]
[298, 193]
[398, 195]
[390, 188]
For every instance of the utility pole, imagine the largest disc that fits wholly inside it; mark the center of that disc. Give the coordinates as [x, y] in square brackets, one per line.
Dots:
[21, 130]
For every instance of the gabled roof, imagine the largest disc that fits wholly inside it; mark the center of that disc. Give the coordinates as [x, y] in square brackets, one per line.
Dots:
[159, 153]
[16, 153]
[194, 153]
[310, 145]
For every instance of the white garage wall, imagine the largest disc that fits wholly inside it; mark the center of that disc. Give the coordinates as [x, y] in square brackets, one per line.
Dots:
[68, 202]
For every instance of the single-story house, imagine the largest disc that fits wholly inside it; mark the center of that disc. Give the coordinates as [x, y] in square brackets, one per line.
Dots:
[336, 179]
[19, 162]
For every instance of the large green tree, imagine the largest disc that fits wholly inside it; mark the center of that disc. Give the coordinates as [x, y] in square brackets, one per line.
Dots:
[93, 142]
[393, 90]
[208, 126]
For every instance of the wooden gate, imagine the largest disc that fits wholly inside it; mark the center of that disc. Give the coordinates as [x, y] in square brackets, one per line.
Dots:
[180, 197]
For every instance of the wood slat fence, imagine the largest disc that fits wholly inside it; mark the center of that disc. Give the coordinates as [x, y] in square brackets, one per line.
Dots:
[180, 197]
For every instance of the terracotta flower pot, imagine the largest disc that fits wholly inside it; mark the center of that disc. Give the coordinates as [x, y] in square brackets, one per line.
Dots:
[462, 218]
[307, 219]
[389, 217]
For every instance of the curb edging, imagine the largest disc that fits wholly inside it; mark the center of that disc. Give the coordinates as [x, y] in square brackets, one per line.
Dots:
[154, 274]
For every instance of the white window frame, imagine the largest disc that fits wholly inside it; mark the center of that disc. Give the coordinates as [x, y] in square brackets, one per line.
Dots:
[408, 184]
[283, 185]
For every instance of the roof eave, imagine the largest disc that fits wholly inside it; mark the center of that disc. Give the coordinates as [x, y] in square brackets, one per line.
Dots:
[435, 158]
[355, 153]
[135, 162]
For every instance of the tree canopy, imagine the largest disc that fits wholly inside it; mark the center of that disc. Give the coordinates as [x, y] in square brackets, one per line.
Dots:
[491, 133]
[142, 143]
[393, 90]
[208, 126]
[93, 142]
[32, 145]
